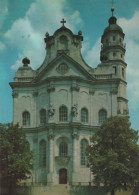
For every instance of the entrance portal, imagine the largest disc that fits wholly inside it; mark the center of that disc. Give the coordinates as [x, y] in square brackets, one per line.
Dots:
[63, 176]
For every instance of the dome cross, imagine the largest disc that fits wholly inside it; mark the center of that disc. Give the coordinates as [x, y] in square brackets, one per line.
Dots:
[63, 21]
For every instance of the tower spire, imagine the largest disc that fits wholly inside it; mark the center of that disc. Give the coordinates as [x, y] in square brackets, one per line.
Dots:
[112, 8]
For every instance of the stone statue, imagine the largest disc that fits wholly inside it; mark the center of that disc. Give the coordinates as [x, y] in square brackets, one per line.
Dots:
[74, 110]
[51, 111]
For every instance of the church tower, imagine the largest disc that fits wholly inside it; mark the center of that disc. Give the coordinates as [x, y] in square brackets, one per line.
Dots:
[61, 103]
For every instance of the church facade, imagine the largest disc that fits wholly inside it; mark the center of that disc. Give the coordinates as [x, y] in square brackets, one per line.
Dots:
[61, 103]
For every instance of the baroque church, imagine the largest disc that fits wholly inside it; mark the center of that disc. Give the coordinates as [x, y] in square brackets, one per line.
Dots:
[61, 103]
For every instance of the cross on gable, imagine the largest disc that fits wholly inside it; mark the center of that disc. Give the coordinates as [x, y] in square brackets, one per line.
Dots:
[63, 21]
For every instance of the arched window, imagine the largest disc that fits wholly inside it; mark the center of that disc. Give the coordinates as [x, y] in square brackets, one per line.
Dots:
[84, 144]
[43, 117]
[26, 118]
[102, 116]
[84, 115]
[63, 149]
[63, 113]
[63, 42]
[42, 153]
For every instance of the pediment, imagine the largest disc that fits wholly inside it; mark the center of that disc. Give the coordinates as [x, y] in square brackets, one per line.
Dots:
[63, 66]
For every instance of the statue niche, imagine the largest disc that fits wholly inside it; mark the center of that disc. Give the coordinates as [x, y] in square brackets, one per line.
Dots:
[63, 43]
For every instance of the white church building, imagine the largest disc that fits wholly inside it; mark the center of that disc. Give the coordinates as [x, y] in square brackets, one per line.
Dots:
[61, 103]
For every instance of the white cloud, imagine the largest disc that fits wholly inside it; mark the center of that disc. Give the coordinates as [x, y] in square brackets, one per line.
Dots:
[93, 55]
[27, 34]
[131, 29]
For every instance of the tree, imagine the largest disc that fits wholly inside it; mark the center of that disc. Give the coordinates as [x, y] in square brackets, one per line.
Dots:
[114, 155]
[15, 155]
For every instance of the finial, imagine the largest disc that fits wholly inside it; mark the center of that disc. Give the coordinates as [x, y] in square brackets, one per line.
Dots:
[80, 32]
[112, 10]
[63, 21]
[26, 61]
[47, 35]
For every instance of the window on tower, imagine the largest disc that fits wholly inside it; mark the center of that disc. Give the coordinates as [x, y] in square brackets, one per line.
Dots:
[115, 69]
[84, 115]
[114, 54]
[63, 149]
[63, 113]
[42, 153]
[43, 117]
[114, 38]
[26, 118]
[102, 116]
[123, 74]
[83, 157]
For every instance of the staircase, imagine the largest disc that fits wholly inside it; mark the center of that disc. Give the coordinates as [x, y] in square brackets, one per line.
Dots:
[60, 189]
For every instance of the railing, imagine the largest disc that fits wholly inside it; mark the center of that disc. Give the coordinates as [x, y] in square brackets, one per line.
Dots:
[103, 76]
[24, 79]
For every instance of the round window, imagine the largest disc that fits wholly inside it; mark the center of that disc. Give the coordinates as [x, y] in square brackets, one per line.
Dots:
[62, 68]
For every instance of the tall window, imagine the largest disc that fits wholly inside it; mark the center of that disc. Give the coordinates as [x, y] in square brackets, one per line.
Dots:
[84, 115]
[43, 117]
[102, 116]
[63, 113]
[63, 149]
[84, 144]
[42, 153]
[26, 118]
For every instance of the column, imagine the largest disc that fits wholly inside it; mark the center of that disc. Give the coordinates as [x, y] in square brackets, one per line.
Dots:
[76, 155]
[50, 176]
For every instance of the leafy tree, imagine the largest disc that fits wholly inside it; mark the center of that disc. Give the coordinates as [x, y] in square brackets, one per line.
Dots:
[114, 155]
[15, 155]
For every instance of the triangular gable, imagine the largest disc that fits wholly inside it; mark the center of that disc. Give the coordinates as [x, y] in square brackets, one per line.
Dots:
[63, 65]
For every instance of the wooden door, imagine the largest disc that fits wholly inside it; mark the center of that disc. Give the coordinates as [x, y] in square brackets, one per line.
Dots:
[63, 176]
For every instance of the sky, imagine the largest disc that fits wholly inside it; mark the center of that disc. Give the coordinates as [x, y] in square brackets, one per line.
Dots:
[23, 25]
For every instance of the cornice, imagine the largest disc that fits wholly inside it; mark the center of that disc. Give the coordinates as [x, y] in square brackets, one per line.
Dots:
[67, 78]
[56, 127]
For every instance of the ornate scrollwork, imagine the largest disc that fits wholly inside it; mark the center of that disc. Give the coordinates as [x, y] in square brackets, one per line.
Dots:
[15, 94]
[114, 91]
[51, 136]
[75, 87]
[35, 93]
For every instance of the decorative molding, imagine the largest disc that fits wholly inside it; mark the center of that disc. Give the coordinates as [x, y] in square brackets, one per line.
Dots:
[75, 87]
[35, 93]
[51, 136]
[15, 94]
[74, 111]
[51, 88]
[91, 91]
[62, 68]
[75, 134]
[114, 91]
[62, 160]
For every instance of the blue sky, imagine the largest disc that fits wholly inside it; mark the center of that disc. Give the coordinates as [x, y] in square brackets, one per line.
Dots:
[23, 25]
